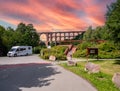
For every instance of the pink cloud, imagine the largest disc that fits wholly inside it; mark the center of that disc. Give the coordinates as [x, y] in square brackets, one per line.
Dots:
[60, 14]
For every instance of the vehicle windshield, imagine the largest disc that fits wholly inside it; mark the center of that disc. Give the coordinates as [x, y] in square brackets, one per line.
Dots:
[13, 49]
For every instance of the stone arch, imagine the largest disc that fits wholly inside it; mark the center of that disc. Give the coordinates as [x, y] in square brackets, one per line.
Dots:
[43, 37]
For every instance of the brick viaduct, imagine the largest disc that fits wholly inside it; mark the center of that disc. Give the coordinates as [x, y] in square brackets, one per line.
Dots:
[60, 36]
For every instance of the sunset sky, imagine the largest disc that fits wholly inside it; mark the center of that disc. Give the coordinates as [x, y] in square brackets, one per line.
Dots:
[53, 14]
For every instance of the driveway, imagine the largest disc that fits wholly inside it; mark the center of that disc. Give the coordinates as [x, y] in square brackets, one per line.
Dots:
[30, 73]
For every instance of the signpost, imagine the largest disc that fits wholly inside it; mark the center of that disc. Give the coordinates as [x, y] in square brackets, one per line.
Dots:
[92, 51]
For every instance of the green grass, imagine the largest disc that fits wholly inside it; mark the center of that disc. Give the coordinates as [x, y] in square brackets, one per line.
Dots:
[102, 80]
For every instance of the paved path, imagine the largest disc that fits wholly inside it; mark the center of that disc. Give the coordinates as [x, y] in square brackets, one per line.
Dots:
[30, 73]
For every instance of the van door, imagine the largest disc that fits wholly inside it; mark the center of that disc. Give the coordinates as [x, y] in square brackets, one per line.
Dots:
[22, 51]
[17, 53]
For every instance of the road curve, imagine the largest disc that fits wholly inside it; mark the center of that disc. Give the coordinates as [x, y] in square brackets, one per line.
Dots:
[30, 73]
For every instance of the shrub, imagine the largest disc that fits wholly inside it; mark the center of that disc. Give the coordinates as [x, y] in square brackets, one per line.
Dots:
[116, 54]
[80, 53]
[103, 54]
[84, 45]
[45, 56]
[61, 57]
[57, 51]
[37, 50]
[107, 46]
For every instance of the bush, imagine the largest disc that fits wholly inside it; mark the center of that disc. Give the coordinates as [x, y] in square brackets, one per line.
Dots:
[45, 56]
[61, 57]
[107, 46]
[37, 50]
[103, 54]
[116, 54]
[84, 45]
[81, 49]
[57, 51]
[80, 53]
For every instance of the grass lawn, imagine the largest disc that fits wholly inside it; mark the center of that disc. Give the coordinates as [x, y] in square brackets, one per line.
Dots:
[102, 80]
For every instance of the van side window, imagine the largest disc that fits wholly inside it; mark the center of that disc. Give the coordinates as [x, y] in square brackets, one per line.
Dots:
[22, 49]
[17, 50]
[29, 48]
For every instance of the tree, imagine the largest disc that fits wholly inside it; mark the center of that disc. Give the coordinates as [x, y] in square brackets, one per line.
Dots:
[113, 21]
[98, 33]
[21, 28]
[28, 34]
[105, 34]
[10, 29]
[3, 49]
[88, 34]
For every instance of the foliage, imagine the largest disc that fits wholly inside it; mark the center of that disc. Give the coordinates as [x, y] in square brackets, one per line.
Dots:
[29, 35]
[81, 49]
[102, 80]
[37, 49]
[79, 54]
[113, 21]
[88, 34]
[42, 44]
[99, 33]
[79, 37]
[84, 45]
[57, 51]
[107, 46]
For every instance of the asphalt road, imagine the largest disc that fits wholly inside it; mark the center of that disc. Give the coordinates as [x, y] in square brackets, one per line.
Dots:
[30, 73]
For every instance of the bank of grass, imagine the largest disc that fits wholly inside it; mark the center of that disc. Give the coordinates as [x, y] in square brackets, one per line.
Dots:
[102, 80]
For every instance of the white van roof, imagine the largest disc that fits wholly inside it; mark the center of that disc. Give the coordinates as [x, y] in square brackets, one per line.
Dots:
[20, 46]
[15, 46]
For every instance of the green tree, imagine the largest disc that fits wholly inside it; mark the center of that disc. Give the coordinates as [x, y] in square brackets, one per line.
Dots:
[88, 34]
[113, 21]
[21, 28]
[3, 49]
[105, 34]
[28, 35]
[8, 39]
[98, 33]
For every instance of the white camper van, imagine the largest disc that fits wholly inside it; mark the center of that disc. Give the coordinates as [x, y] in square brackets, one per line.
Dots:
[20, 51]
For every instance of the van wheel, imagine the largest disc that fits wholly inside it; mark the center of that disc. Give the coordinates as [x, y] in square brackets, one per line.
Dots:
[15, 55]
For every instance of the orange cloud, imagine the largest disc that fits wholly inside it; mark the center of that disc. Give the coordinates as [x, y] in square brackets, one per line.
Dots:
[46, 15]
